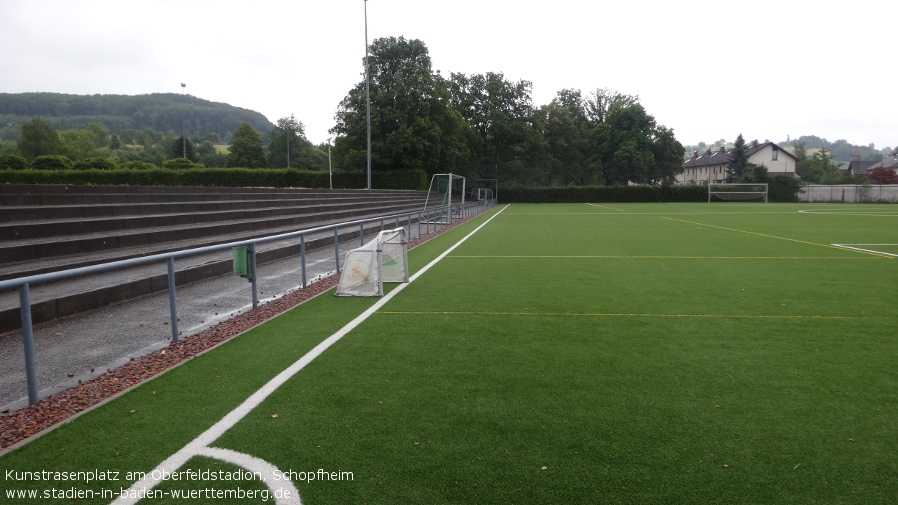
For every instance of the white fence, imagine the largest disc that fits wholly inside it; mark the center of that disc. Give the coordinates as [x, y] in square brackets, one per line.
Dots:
[849, 193]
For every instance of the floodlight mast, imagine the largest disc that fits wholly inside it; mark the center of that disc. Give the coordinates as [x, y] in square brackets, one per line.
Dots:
[183, 121]
[368, 95]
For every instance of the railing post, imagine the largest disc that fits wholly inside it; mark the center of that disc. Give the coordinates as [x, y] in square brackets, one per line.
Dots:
[252, 273]
[172, 302]
[362, 233]
[337, 248]
[28, 342]
[302, 257]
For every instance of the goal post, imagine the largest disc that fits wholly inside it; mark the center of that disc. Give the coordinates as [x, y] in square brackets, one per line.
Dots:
[737, 191]
[445, 198]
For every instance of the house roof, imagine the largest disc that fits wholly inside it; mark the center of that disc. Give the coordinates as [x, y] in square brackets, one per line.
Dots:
[721, 156]
[890, 162]
[858, 167]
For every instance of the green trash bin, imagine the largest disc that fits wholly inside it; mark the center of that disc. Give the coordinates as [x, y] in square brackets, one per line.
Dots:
[241, 261]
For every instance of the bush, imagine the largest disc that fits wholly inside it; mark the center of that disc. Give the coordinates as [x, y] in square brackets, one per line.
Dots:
[13, 162]
[95, 164]
[51, 162]
[137, 165]
[180, 164]
[783, 188]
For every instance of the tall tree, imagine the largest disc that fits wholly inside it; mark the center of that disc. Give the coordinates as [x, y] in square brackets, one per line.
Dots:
[566, 130]
[413, 125]
[286, 143]
[829, 173]
[503, 126]
[602, 100]
[38, 139]
[179, 146]
[738, 164]
[246, 151]
[622, 144]
[667, 154]
[79, 144]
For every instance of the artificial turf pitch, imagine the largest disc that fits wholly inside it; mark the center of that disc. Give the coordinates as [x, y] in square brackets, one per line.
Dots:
[706, 353]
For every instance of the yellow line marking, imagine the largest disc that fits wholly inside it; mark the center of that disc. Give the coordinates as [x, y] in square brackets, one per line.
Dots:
[622, 314]
[797, 241]
[500, 256]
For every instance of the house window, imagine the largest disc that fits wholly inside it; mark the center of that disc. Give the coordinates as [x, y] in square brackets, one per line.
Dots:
[774, 154]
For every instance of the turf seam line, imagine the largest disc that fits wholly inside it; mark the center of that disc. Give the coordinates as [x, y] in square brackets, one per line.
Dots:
[604, 207]
[198, 446]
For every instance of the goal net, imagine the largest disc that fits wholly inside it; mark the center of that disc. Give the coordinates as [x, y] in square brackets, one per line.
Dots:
[737, 192]
[445, 198]
[366, 268]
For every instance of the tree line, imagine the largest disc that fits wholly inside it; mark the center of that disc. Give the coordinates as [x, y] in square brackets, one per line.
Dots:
[40, 146]
[487, 126]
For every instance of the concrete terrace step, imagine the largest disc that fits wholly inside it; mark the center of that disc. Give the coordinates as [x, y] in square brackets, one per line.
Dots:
[23, 214]
[14, 233]
[120, 247]
[15, 251]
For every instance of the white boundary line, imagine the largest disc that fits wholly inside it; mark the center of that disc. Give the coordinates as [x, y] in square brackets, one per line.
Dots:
[851, 247]
[851, 212]
[200, 446]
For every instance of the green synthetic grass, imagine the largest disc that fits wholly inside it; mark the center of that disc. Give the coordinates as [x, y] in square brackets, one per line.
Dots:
[563, 354]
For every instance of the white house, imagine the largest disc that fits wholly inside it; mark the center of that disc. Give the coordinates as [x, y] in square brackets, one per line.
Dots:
[711, 166]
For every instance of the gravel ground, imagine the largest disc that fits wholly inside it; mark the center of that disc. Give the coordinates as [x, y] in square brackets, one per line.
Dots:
[31, 421]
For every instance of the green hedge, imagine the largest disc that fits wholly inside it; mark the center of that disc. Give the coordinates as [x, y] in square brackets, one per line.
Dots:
[606, 194]
[781, 189]
[222, 177]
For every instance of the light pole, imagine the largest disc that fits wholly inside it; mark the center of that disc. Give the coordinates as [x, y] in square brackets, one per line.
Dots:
[183, 120]
[330, 168]
[368, 95]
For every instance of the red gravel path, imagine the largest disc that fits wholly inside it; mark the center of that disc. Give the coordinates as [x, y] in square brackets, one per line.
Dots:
[34, 419]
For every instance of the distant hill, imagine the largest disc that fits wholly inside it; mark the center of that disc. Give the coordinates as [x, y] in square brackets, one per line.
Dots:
[158, 111]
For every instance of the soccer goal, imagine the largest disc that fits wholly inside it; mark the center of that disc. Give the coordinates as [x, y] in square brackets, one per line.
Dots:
[383, 259]
[738, 191]
[445, 198]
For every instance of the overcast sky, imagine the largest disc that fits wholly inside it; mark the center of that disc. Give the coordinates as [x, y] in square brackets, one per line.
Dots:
[707, 69]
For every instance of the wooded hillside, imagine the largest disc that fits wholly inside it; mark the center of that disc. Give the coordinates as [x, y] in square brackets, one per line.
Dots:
[161, 112]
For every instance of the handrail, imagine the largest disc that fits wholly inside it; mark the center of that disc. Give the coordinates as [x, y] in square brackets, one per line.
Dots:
[23, 283]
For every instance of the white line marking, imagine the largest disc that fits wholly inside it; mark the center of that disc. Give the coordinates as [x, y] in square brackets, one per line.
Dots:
[200, 445]
[851, 246]
[282, 490]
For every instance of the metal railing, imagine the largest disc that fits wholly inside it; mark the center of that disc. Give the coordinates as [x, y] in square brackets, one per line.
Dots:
[425, 221]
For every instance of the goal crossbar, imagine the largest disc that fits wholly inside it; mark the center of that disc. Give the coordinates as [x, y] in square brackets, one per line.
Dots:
[738, 191]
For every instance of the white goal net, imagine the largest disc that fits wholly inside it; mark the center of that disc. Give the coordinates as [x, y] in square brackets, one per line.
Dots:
[729, 192]
[366, 268]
